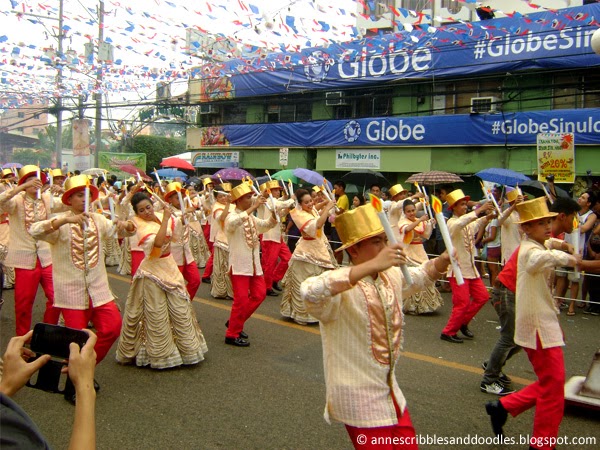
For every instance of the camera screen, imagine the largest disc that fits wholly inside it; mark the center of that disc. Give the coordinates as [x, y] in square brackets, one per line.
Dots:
[54, 340]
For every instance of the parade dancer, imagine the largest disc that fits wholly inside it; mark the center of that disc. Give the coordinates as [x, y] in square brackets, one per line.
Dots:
[180, 243]
[26, 205]
[537, 330]
[360, 313]
[77, 239]
[312, 255]
[468, 298]
[275, 252]
[249, 288]
[159, 324]
[221, 286]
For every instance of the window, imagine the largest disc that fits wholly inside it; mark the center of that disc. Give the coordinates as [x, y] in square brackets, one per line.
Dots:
[565, 91]
[234, 113]
[35, 131]
[415, 5]
[21, 130]
[36, 116]
[378, 8]
[21, 115]
[453, 6]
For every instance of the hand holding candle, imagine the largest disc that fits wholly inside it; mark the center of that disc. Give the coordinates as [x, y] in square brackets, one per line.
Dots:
[376, 202]
[436, 203]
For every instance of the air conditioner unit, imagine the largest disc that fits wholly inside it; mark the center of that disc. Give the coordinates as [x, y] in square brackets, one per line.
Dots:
[482, 105]
[163, 91]
[209, 109]
[335, 98]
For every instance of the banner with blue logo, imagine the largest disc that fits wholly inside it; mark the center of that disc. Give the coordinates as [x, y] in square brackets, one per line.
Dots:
[475, 129]
[549, 40]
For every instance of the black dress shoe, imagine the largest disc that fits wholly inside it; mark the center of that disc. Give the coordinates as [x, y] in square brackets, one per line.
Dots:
[238, 342]
[242, 334]
[96, 386]
[466, 332]
[272, 293]
[498, 416]
[276, 286]
[451, 338]
[206, 280]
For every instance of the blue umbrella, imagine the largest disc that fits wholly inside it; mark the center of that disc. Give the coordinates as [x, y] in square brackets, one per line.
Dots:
[502, 176]
[312, 177]
[171, 173]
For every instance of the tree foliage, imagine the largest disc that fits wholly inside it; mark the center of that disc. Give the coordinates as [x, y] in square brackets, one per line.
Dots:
[28, 156]
[156, 148]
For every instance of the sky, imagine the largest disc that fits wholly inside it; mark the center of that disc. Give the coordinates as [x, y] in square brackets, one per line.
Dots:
[149, 39]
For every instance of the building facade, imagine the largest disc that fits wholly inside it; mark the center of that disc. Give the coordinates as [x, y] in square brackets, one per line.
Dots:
[460, 98]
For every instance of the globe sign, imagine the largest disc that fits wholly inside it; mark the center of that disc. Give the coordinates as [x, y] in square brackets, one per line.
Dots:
[596, 41]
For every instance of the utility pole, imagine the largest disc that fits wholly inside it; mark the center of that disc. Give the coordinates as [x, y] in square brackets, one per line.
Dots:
[99, 84]
[58, 140]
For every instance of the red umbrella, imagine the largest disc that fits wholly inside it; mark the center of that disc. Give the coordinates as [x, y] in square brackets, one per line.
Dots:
[177, 163]
[130, 168]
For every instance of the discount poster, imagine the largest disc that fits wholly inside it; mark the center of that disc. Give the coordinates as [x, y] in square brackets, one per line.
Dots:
[556, 156]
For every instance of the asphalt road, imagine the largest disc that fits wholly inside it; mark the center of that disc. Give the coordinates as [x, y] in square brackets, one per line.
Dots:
[271, 395]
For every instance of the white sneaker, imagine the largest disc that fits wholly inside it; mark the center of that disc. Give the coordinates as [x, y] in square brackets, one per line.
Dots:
[495, 388]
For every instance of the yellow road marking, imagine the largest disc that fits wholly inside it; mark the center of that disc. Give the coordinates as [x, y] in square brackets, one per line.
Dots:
[315, 330]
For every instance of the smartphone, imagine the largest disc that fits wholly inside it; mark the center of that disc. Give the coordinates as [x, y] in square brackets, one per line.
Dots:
[54, 340]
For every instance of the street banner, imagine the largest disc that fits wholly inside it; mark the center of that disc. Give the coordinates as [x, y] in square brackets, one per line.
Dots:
[112, 162]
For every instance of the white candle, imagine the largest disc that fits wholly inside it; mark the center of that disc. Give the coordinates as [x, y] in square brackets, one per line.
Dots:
[111, 206]
[439, 217]
[273, 206]
[39, 192]
[575, 236]
[182, 206]
[392, 240]
[162, 189]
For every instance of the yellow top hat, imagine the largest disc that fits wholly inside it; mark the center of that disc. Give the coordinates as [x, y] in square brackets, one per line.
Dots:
[455, 196]
[31, 170]
[57, 173]
[535, 209]
[227, 187]
[6, 173]
[511, 196]
[396, 189]
[271, 184]
[172, 189]
[317, 188]
[78, 183]
[239, 191]
[357, 225]
[207, 180]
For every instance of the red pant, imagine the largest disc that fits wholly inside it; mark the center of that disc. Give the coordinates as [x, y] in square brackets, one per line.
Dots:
[26, 286]
[137, 256]
[546, 394]
[271, 252]
[403, 433]
[106, 320]
[192, 276]
[463, 308]
[248, 293]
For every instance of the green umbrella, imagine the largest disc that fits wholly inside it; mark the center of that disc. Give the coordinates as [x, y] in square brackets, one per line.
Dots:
[285, 175]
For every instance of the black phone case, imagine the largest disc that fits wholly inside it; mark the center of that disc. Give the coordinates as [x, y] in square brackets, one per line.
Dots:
[48, 379]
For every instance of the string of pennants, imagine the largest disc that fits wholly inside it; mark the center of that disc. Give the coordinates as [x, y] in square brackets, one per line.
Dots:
[150, 44]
